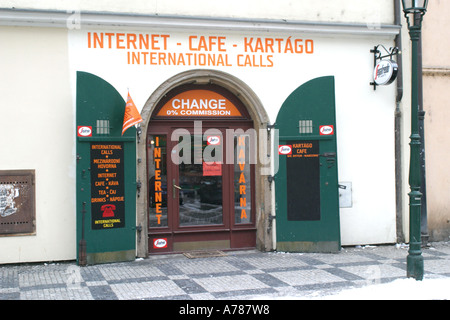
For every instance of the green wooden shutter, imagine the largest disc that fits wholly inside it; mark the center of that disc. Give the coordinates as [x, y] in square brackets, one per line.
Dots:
[106, 174]
[307, 197]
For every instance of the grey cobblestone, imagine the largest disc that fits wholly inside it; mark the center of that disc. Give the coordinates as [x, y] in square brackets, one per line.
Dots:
[239, 275]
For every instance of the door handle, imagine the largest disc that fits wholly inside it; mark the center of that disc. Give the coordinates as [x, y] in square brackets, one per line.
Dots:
[174, 186]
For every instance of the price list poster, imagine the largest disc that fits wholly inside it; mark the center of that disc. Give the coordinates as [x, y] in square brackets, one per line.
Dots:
[107, 186]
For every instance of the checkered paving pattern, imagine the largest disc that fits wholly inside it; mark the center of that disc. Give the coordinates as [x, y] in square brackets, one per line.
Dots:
[236, 276]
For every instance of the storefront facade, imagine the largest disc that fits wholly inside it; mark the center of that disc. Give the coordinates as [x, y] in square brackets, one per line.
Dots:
[255, 133]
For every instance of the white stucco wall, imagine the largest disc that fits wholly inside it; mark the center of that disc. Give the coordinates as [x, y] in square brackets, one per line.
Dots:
[38, 84]
[349, 11]
[36, 122]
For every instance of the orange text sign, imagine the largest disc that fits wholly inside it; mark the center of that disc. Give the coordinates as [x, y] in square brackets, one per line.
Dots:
[199, 103]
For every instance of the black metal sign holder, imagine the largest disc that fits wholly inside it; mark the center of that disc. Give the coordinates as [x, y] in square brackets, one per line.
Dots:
[393, 51]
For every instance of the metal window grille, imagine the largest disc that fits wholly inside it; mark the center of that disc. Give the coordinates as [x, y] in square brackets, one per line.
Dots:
[103, 127]
[305, 126]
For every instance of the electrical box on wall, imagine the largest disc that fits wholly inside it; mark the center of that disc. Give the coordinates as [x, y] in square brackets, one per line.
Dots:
[345, 195]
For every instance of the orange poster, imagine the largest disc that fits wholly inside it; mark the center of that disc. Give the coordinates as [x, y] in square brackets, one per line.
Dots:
[212, 168]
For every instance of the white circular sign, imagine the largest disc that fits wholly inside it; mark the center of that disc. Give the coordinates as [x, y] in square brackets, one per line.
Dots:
[84, 131]
[326, 130]
[214, 140]
[385, 72]
[160, 243]
[284, 149]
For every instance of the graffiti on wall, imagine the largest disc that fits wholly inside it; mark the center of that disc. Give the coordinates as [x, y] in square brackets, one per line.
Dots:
[8, 194]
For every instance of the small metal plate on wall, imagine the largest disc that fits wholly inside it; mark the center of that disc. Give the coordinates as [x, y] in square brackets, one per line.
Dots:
[17, 202]
[345, 195]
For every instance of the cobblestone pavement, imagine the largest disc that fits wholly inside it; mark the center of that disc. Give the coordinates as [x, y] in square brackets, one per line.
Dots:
[239, 275]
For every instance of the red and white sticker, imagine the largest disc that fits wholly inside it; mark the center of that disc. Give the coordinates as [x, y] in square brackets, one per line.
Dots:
[285, 149]
[326, 130]
[160, 243]
[84, 131]
[214, 140]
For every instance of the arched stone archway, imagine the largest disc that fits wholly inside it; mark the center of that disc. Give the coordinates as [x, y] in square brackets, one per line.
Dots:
[260, 119]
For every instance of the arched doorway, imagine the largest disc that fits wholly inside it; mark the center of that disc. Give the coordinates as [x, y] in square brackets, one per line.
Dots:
[202, 190]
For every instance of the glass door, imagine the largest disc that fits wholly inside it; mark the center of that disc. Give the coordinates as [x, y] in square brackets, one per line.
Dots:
[198, 198]
[200, 183]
